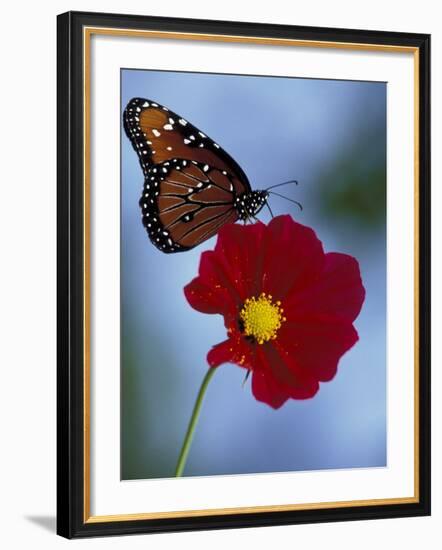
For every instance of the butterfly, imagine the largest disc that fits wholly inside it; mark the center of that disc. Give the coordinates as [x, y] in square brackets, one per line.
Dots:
[192, 187]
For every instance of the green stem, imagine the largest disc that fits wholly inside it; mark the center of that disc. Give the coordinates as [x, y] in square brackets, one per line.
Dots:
[192, 424]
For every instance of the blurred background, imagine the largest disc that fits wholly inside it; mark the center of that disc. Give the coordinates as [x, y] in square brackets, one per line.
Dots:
[331, 137]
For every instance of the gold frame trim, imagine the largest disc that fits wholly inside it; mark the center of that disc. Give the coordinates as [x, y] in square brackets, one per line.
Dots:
[87, 34]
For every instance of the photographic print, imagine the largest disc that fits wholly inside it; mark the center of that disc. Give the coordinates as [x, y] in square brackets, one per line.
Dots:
[243, 274]
[253, 274]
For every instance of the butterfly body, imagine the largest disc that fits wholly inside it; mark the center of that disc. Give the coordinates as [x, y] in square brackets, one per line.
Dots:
[249, 204]
[192, 187]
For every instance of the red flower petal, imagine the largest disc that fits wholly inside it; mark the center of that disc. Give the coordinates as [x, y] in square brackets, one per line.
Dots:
[239, 249]
[266, 389]
[317, 346]
[276, 378]
[298, 381]
[292, 257]
[233, 350]
[337, 292]
[212, 291]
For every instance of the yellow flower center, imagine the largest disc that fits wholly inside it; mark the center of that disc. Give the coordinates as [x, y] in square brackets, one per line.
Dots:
[261, 318]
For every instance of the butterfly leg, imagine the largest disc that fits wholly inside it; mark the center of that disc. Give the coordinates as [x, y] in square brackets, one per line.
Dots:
[270, 210]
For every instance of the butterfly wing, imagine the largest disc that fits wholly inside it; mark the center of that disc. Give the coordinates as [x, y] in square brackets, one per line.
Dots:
[158, 134]
[185, 202]
[191, 183]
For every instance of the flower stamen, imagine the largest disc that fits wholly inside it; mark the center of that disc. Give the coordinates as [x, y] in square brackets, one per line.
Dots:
[261, 317]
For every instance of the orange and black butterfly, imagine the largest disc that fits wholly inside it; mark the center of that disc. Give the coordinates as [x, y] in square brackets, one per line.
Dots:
[192, 187]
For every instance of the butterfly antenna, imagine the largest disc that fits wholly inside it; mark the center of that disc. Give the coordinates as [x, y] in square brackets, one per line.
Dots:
[270, 210]
[287, 199]
[280, 184]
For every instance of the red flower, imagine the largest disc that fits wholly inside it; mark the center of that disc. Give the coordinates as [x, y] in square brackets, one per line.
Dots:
[288, 307]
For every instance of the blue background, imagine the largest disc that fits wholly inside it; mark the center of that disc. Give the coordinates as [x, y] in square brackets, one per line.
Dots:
[331, 137]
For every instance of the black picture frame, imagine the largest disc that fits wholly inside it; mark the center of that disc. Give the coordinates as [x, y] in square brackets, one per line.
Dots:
[71, 498]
